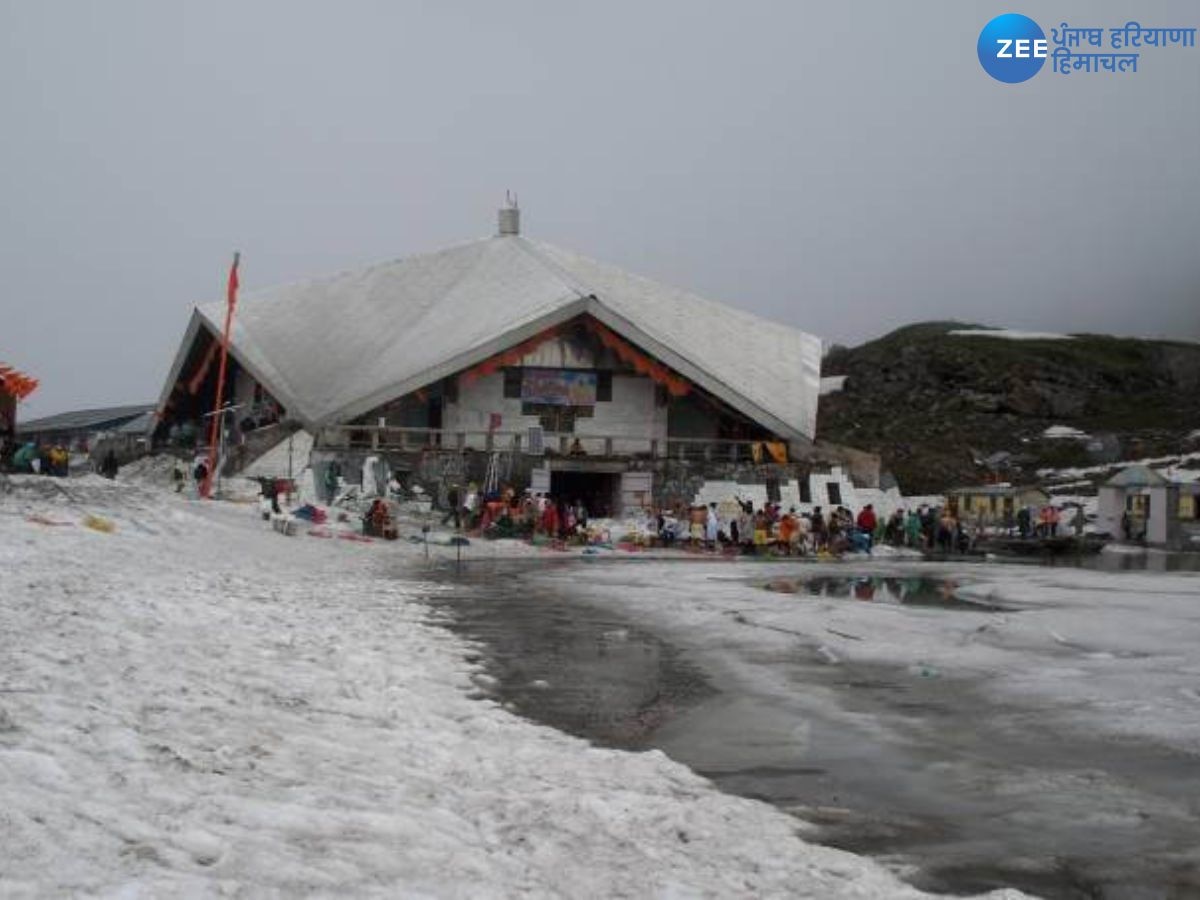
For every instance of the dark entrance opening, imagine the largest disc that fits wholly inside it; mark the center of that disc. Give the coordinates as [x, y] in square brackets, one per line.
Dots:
[599, 491]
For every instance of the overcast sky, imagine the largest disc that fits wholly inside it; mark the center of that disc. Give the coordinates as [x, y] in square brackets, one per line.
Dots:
[842, 167]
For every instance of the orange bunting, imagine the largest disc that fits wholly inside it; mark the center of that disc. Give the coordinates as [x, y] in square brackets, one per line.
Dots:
[676, 385]
[15, 384]
[510, 357]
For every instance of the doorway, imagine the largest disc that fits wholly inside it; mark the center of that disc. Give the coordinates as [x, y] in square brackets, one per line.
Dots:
[599, 491]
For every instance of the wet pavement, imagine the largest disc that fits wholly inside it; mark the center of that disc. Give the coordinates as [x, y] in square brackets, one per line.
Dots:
[922, 771]
[575, 667]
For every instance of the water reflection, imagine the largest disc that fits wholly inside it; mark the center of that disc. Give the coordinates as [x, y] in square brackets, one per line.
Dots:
[916, 590]
[584, 670]
[1134, 561]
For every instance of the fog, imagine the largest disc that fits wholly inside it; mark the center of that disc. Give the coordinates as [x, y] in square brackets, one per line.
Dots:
[844, 168]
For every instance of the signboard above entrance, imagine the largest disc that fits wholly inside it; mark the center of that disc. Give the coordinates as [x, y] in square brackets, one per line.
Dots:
[558, 387]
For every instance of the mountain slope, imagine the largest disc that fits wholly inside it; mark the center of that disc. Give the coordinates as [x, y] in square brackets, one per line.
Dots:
[936, 404]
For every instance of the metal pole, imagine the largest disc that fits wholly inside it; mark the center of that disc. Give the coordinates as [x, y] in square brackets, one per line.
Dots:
[216, 473]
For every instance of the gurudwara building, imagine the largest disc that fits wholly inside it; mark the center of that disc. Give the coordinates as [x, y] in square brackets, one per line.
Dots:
[508, 360]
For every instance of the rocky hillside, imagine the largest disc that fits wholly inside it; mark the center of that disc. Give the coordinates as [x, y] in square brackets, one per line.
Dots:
[946, 409]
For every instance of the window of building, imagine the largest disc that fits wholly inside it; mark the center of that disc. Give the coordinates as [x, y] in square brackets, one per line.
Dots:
[805, 491]
[604, 386]
[835, 493]
[512, 383]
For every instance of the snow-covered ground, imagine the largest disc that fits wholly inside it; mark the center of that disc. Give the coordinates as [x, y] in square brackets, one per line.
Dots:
[192, 704]
[1114, 653]
[1186, 460]
[1048, 738]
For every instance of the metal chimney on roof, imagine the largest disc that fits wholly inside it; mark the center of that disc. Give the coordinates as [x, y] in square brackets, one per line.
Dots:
[510, 216]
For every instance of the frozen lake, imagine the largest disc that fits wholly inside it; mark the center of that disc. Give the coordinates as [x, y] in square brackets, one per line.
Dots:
[973, 728]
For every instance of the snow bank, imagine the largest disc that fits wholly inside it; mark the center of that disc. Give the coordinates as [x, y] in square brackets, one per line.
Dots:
[1067, 485]
[155, 471]
[290, 455]
[885, 502]
[1154, 462]
[191, 704]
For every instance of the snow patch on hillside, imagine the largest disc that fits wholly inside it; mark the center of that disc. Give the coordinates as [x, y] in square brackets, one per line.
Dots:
[1010, 334]
[1064, 432]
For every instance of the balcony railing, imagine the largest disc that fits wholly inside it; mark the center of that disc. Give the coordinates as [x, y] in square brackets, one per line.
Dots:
[395, 438]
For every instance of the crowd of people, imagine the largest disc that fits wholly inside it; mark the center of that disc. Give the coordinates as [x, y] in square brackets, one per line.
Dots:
[505, 513]
[769, 529]
[33, 457]
[740, 527]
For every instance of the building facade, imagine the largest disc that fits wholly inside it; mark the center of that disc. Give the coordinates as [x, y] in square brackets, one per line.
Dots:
[996, 504]
[1141, 505]
[510, 361]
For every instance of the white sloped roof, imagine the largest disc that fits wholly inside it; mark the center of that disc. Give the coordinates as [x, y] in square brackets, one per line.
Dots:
[334, 348]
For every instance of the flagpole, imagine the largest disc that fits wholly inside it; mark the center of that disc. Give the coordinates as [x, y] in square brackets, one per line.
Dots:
[218, 415]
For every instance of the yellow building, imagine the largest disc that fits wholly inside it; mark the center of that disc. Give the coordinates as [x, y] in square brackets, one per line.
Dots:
[995, 503]
[1142, 505]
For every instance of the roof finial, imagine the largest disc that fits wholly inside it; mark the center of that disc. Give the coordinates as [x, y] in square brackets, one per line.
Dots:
[510, 215]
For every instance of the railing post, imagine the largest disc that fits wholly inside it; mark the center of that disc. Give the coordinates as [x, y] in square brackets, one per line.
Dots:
[374, 439]
[461, 438]
[516, 442]
[608, 446]
[654, 448]
[708, 449]
[490, 441]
